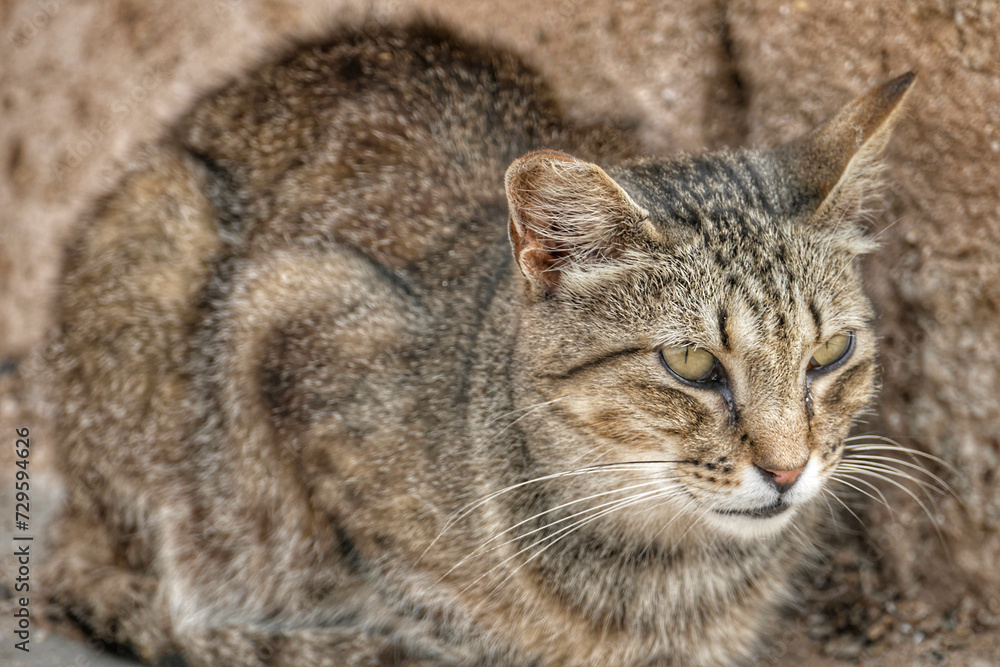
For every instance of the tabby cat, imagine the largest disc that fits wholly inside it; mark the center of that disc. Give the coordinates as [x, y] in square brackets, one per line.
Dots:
[318, 405]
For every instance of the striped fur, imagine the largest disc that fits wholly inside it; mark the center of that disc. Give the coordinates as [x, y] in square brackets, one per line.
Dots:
[327, 394]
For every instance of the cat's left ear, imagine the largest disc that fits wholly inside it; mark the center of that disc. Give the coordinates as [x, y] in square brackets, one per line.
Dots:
[830, 168]
[565, 215]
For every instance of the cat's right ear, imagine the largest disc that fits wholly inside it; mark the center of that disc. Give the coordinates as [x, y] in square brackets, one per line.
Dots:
[565, 215]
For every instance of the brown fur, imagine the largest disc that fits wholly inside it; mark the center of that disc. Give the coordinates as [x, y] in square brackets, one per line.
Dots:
[302, 384]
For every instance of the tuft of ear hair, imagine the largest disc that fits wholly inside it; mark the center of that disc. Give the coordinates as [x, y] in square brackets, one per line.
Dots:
[832, 168]
[565, 214]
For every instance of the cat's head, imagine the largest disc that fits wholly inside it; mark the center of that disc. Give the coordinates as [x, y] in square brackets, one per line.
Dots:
[704, 311]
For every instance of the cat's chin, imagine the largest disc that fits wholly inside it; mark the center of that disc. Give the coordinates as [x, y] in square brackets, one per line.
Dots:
[756, 511]
[752, 524]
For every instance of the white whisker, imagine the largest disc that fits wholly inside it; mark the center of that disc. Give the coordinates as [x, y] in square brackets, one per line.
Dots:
[833, 515]
[701, 516]
[834, 496]
[539, 514]
[889, 470]
[842, 478]
[907, 491]
[564, 532]
[587, 470]
[860, 443]
[526, 408]
[916, 466]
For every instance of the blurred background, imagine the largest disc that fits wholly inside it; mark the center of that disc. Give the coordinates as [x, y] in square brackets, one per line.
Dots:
[83, 83]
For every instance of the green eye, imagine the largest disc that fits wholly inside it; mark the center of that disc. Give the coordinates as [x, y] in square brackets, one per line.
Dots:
[690, 363]
[832, 351]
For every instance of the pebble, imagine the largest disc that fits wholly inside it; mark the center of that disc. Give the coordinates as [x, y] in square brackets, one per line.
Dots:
[843, 648]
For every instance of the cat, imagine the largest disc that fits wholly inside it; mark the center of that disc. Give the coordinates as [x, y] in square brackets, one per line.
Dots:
[368, 362]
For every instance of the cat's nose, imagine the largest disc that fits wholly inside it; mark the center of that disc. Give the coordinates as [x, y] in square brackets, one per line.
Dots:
[781, 479]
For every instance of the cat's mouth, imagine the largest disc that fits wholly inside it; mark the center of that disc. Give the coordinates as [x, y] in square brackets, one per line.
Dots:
[765, 512]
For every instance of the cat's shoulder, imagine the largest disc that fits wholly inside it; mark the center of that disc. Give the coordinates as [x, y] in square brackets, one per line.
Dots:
[367, 86]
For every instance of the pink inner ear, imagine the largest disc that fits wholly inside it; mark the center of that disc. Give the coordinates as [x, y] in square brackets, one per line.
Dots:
[536, 256]
[542, 265]
[564, 211]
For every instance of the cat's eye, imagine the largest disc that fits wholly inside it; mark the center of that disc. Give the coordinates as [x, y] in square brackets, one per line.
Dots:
[832, 352]
[690, 363]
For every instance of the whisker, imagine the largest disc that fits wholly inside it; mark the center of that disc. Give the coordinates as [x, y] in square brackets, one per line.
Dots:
[834, 496]
[539, 514]
[496, 587]
[626, 502]
[804, 537]
[586, 470]
[529, 407]
[916, 498]
[663, 496]
[859, 443]
[617, 504]
[674, 518]
[527, 411]
[874, 469]
[916, 466]
[842, 478]
[833, 515]
[701, 516]
[564, 532]
[881, 467]
[890, 226]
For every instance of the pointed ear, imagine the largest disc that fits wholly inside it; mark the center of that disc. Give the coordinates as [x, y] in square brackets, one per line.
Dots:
[565, 214]
[830, 167]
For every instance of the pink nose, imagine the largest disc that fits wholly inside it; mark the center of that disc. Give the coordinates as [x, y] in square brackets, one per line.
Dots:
[786, 476]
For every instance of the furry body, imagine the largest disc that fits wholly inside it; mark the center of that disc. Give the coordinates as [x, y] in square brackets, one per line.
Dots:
[303, 379]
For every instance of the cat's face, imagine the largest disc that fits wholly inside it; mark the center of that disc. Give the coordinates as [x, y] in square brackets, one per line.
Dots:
[704, 316]
[735, 346]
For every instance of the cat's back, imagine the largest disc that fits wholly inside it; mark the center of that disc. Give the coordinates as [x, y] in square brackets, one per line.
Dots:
[357, 169]
[280, 300]
[394, 144]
